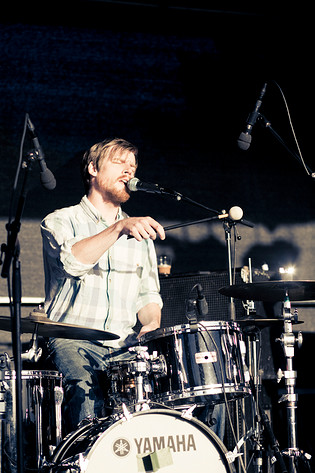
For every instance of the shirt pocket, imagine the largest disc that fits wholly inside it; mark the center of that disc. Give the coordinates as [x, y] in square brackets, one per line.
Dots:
[126, 261]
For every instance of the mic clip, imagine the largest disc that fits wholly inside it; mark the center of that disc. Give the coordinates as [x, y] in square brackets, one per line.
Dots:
[191, 315]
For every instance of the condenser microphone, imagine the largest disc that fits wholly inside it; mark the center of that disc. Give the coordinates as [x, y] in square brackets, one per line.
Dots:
[245, 138]
[202, 304]
[46, 176]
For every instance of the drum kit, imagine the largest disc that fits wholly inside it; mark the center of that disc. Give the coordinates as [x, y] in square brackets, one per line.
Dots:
[171, 373]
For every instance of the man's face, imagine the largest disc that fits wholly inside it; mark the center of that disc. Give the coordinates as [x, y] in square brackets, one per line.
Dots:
[114, 173]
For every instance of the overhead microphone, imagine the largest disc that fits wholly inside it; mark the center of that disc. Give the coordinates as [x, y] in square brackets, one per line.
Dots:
[245, 138]
[47, 178]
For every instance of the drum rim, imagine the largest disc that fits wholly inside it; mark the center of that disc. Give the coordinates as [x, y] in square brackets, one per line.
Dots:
[33, 374]
[203, 391]
[186, 328]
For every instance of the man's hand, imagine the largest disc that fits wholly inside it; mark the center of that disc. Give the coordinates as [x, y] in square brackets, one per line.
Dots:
[141, 228]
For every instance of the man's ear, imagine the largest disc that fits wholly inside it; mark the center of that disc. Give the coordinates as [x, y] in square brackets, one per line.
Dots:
[92, 169]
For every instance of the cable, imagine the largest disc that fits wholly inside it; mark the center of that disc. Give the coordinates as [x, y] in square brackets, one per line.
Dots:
[292, 128]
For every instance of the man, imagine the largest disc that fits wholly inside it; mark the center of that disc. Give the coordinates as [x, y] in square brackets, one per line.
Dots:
[98, 277]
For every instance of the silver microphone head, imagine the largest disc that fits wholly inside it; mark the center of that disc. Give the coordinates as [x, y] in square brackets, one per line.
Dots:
[132, 184]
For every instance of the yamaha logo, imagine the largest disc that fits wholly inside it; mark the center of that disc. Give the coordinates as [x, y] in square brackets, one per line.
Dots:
[121, 447]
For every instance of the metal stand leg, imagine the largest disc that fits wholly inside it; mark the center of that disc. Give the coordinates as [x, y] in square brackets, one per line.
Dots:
[288, 341]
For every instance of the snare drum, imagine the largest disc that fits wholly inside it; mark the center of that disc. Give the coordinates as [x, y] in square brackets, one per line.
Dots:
[153, 440]
[202, 367]
[42, 396]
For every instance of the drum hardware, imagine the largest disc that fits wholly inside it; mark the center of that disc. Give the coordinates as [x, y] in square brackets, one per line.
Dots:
[286, 291]
[139, 368]
[34, 353]
[288, 341]
[129, 383]
[142, 366]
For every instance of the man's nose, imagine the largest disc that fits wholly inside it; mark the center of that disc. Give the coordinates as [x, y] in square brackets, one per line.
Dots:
[129, 170]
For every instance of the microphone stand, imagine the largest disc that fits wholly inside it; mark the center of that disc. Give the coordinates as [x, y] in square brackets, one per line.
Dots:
[11, 252]
[267, 124]
[228, 223]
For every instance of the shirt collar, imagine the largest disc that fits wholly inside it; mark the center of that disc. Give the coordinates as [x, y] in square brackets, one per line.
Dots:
[93, 213]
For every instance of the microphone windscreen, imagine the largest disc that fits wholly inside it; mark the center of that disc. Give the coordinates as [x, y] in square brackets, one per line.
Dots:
[235, 213]
[132, 184]
[244, 141]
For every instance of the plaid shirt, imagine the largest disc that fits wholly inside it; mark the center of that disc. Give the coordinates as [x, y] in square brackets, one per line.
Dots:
[106, 295]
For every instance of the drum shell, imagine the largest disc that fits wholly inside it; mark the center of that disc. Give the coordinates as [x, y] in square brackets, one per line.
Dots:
[203, 367]
[42, 396]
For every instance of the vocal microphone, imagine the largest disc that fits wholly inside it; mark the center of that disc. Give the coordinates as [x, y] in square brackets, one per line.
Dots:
[135, 184]
[46, 176]
[245, 138]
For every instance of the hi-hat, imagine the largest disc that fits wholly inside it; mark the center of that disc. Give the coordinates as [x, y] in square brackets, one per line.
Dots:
[49, 328]
[271, 291]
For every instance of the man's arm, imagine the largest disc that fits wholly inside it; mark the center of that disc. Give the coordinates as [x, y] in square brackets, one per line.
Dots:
[89, 250]
[150, 318]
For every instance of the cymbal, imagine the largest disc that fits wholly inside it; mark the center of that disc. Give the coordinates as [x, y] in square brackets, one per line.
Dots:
[49, 328]
[271, 291]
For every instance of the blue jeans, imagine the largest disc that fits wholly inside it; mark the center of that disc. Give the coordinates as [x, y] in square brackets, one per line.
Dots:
[80, 362]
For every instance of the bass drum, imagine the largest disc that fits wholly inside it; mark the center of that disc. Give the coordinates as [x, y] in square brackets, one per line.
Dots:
[145, 442]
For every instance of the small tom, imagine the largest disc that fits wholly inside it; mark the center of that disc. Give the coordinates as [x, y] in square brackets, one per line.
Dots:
[206, 366]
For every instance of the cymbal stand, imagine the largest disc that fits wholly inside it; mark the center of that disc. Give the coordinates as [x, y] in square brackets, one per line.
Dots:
[227, 225]
[262, 430]
[288, 341]
[253, 364]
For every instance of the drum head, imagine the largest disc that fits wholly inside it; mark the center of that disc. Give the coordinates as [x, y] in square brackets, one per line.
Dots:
[154, 440]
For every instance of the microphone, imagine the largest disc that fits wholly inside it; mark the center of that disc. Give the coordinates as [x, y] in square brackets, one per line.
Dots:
[191, 315]
[46, 176]
[135, 184]
[245, 138]
[235, 214]
[202, 304]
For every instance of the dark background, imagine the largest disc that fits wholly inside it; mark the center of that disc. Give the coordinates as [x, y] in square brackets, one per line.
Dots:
[179, 80]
